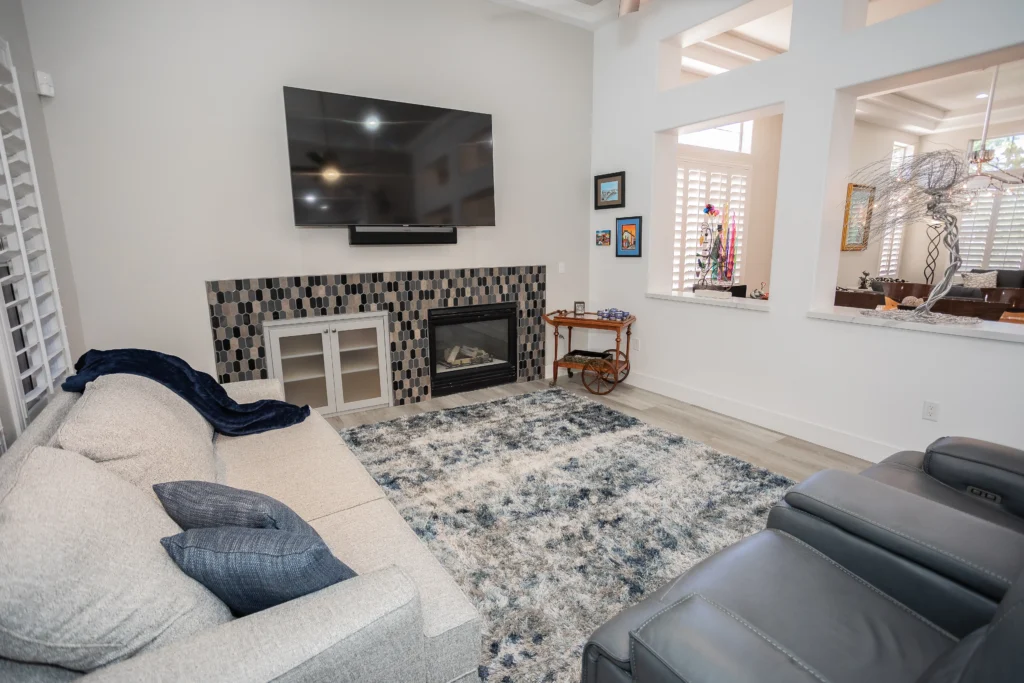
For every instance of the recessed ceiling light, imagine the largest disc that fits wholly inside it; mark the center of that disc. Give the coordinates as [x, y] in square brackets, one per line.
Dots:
[372, 123]
[324, 207]
[310, 198]
[981, 96]
[330, 173]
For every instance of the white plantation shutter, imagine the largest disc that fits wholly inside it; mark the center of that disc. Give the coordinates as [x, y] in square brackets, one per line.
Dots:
[1007, 249]
[37, 357]
[992, 231]
[738, 208]
[699, 183]
[892, 242]
[975, 226]
[892, 245]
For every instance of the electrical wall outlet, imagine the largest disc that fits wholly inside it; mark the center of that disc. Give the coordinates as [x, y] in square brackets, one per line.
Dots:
[561, 266]
[636, 342]
[931, 411]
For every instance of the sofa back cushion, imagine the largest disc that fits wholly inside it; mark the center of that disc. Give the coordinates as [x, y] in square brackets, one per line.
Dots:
[141, 431]
[84, 580]
[1005, 278]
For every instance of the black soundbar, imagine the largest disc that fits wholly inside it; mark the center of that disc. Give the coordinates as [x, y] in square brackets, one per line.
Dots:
[375, 236]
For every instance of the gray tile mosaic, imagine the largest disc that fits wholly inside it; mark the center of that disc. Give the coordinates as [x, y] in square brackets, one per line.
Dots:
[239, 307]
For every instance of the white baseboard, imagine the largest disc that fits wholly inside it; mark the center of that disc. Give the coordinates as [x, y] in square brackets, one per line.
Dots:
[851, 444]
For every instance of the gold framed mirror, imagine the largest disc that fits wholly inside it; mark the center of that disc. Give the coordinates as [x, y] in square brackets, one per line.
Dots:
[857, 222]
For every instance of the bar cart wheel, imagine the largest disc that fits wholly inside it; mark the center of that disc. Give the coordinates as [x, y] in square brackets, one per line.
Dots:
[623, 363]
[599, 376]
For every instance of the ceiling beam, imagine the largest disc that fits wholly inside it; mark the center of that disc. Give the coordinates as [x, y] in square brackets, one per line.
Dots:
[908, 105]
[737, 44]
[743, 14]
[709, 55]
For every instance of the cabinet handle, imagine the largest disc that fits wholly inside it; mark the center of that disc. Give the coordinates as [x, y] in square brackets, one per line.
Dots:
[327, 330]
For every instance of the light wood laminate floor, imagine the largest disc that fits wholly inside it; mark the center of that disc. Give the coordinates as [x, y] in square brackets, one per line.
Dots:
[777, 452]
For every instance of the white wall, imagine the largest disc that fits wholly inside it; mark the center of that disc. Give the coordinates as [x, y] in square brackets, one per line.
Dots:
[852, 387]
[170, 149]
[871, 143]
[915, 246]
[766, 146]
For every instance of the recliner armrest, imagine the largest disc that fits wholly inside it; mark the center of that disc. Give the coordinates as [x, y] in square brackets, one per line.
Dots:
[980, 555]
[989, 470]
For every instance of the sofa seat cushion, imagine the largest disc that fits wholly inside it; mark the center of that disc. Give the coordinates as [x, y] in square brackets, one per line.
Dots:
[84, 580]
[769, 609]
[905, 470]
[306, 466]
[140, 430]
[373, 536]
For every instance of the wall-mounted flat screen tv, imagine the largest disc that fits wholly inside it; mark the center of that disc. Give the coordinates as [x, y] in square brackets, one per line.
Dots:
[357, 161]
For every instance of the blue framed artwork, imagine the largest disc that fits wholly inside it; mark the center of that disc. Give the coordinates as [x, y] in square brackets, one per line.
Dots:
[627, 236]
[610, 190]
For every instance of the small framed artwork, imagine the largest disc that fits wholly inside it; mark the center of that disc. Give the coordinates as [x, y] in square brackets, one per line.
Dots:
[604, 238]
[627, 236]
[579, 307]
[610, 190]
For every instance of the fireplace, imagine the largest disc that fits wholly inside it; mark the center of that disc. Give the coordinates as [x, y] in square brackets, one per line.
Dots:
[472, 347]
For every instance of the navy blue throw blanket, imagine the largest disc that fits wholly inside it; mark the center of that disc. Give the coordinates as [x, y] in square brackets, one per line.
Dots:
[198, 388]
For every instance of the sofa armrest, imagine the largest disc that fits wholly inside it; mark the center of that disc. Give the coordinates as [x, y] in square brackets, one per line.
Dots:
[255, 390]
[367, 629]
[994, 472]
[983, 556]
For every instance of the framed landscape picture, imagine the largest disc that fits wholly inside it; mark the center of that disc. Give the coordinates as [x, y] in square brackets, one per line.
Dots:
[627, 236]
[610, 190]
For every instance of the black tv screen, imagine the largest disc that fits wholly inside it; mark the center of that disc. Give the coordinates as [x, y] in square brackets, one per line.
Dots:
[359, 161]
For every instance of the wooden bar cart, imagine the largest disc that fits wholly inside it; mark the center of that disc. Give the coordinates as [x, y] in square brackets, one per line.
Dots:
[602, 371]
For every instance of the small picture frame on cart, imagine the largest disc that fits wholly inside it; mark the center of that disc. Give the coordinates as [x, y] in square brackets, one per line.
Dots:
[579, 308]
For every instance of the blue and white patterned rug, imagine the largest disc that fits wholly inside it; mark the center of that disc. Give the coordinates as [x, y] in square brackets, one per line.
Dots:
[554, 512]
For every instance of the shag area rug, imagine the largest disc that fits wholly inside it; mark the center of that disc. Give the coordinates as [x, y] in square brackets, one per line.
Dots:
[554, 512]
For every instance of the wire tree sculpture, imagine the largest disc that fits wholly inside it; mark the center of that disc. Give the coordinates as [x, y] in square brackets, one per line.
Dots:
[927, 187]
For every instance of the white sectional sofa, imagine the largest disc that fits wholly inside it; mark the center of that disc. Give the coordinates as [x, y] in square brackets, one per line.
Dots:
[402, 619]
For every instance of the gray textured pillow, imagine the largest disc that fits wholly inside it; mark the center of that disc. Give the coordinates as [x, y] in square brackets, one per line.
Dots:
[141, 431]
[83, 579]
[980, 279]
[253, 569]
[202, 504]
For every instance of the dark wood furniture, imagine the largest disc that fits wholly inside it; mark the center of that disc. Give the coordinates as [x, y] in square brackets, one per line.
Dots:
[600, 375]
[861, 298]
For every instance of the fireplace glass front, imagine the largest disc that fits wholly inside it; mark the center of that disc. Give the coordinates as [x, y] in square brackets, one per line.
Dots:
[472, 347]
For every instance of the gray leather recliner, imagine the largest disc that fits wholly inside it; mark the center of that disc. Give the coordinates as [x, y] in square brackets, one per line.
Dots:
[853, 580]
[980, 478]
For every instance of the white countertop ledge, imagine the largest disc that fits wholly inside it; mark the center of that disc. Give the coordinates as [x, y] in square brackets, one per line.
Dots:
[1006, 332]
[732, 302]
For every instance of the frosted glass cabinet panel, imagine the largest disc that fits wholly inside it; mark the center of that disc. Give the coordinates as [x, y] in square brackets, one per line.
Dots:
[301, 355]
[361, 357]
[334, 365]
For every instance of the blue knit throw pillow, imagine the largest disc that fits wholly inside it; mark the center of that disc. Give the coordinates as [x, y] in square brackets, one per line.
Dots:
[203, 504]
[253, 569]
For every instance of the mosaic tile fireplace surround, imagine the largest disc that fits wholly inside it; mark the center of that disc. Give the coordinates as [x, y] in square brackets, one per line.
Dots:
[239, 307]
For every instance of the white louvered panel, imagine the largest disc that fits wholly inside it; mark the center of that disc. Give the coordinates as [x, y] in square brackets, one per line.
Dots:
[699, 183]
[679, 233]
[1007, 249]
[975, 226]
[34, 336]
[738, 208]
